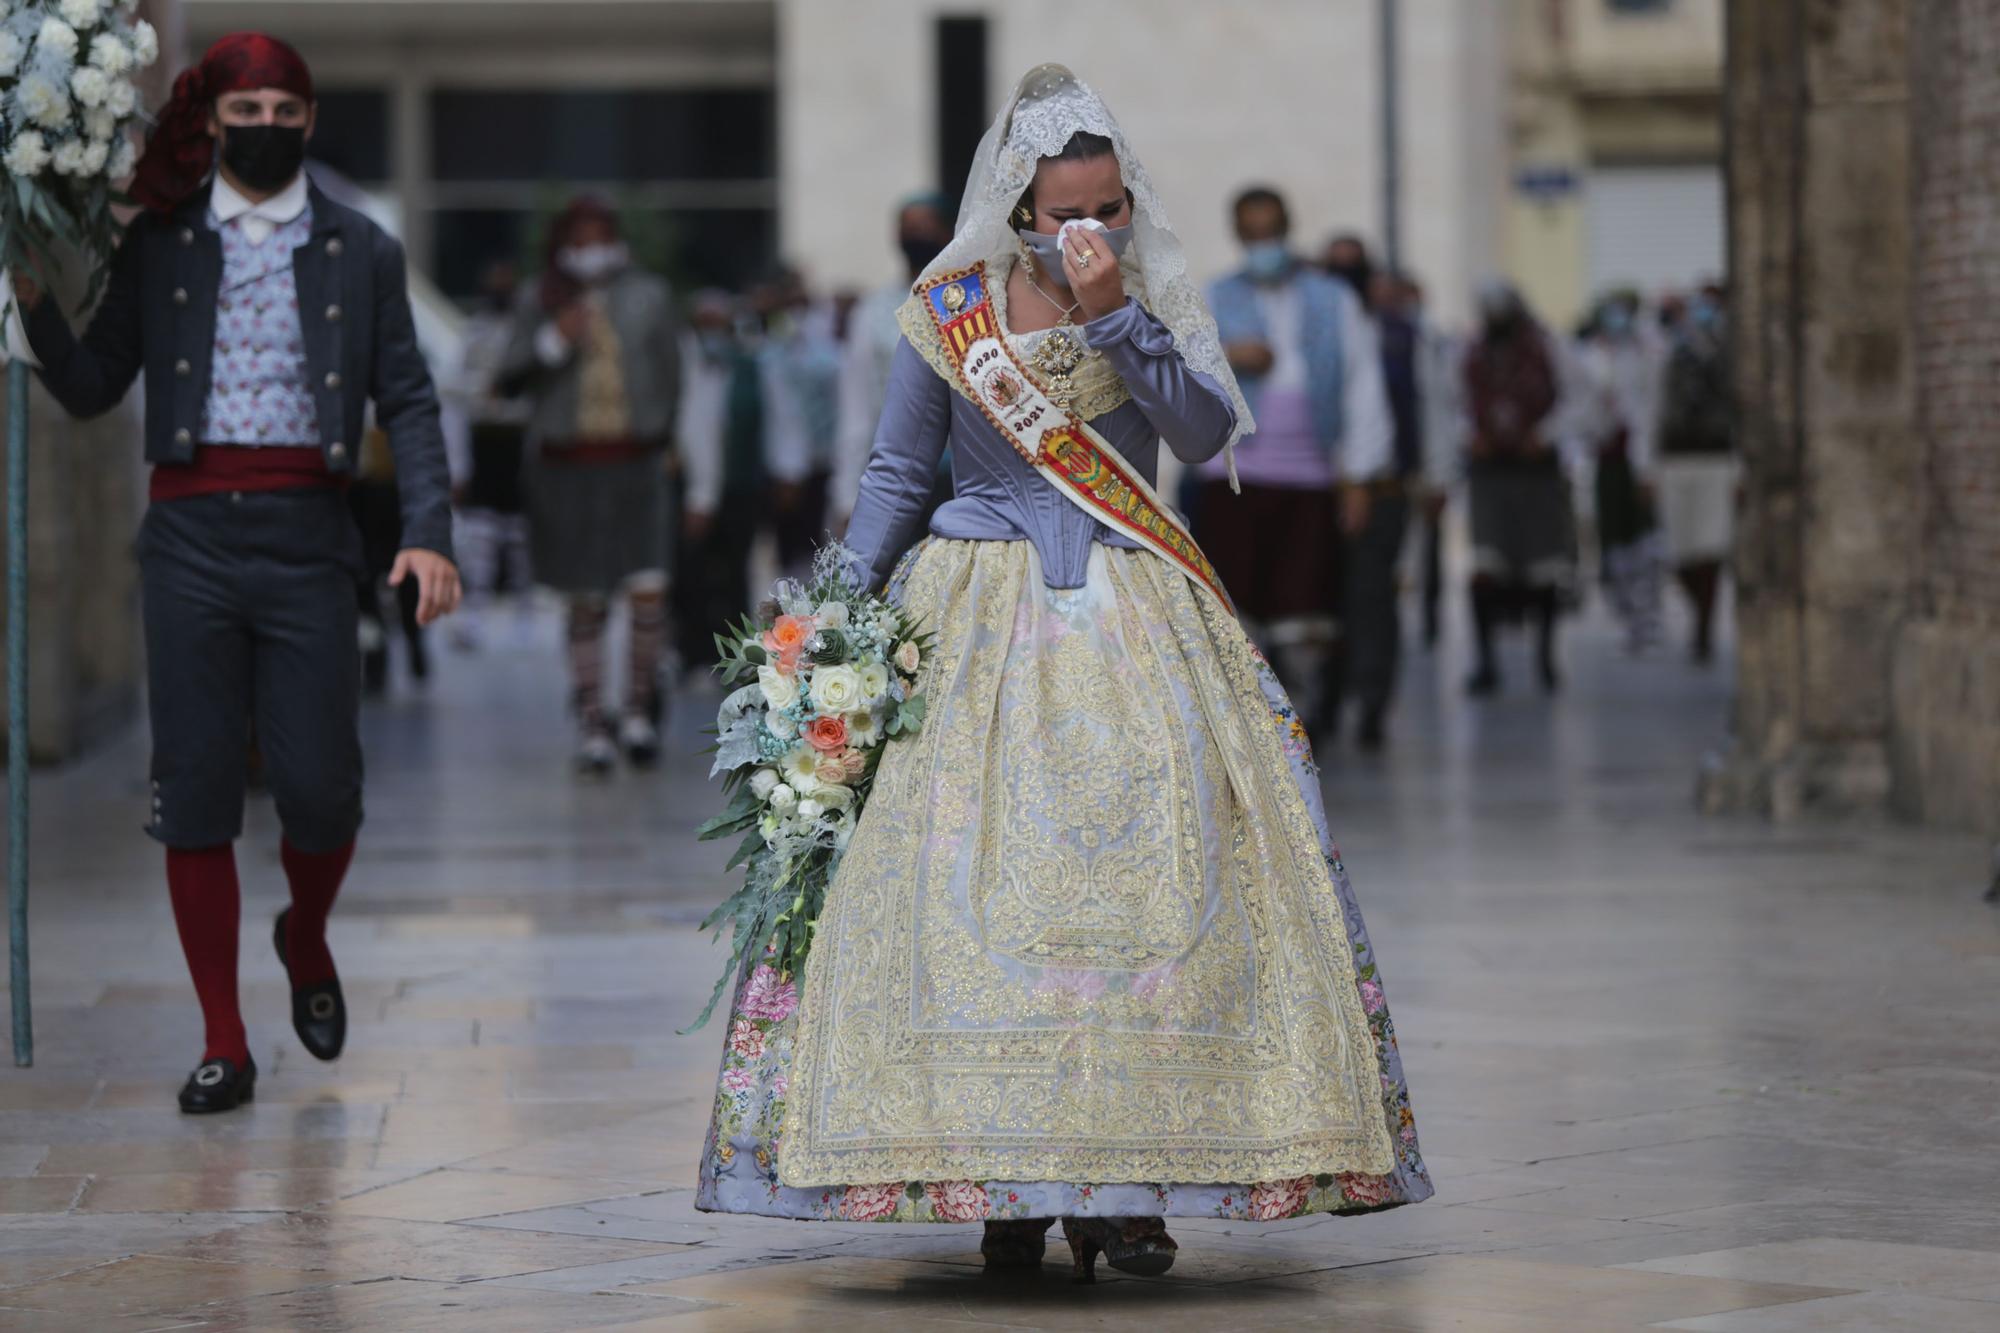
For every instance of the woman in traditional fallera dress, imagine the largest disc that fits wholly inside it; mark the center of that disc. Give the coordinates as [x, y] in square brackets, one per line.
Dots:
[1091, 953]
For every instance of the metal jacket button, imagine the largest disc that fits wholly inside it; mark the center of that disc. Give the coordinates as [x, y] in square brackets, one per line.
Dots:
[183, 368]
[332, 379]
[180, 296]
[187, 235]
[182, 436]
[334, 247]
[336, 452]
[333, 314]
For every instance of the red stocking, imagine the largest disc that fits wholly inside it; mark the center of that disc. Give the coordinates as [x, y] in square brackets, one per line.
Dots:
[315, 878]
[207, 908]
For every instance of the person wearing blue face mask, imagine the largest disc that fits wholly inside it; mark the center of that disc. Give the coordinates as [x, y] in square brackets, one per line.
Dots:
[1310, 366]
[1622, 362]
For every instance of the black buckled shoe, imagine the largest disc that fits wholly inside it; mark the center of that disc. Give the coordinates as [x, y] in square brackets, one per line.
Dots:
[218, 1085]
[319, 1012]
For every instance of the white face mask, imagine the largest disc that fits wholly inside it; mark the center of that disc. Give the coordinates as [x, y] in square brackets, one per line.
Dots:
[592, 264]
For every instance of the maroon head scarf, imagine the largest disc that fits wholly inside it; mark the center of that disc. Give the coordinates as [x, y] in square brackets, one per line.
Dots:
[558, 288]
[179, 154]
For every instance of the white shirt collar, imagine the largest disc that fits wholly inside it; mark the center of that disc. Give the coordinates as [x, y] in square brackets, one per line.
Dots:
[227, 204]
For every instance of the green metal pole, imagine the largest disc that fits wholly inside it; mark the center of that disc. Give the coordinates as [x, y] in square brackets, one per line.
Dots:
[17, 709]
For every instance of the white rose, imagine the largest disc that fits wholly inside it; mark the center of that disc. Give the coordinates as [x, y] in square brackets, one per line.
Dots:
[783, 798]
[836, 798]
[810, 809]
[81, 13]
[874, 682]
[10, 54]
[69, 157]
[90, 86]
[763, 782]
[95, 155]
[780, 690]
[124, 99]
[110, 54]
[124, 157]
[832, 615]
[43, 103]
[909, 657]
[145, 43]
[27, 155]
[782, 726]
[836, 689]
[56, 36]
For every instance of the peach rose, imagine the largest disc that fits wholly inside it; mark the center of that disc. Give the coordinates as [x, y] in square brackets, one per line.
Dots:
[855, 762]
[788, 638]
[909, 657]
[832, 771]
[826, 734]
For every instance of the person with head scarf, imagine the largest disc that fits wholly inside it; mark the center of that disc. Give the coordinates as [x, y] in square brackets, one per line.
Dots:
[1091, 953]
[1523, 525]
[266, 319]
[596, 351]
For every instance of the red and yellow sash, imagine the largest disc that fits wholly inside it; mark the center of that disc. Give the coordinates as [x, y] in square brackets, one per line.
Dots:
[1082, 464]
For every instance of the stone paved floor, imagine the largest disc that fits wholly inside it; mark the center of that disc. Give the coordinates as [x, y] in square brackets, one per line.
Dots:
[1669, 1071]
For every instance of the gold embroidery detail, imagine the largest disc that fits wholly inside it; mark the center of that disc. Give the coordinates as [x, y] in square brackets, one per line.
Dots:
[1098, 388]
[1085, 930]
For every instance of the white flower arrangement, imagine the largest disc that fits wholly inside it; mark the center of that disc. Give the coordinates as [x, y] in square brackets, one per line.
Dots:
[68, 111]
[825, 676]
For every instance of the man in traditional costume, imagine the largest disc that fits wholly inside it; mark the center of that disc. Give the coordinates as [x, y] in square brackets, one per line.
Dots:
[266, 318]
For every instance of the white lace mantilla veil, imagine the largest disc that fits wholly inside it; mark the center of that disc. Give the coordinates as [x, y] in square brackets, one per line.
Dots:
[1048, 107]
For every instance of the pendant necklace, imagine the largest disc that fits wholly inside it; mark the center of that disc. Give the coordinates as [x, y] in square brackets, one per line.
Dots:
[1060, 352]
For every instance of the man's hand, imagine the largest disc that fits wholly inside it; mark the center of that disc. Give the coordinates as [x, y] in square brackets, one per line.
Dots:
[27, 292]
[437, 581]
[1353, 509]
[1249, 357]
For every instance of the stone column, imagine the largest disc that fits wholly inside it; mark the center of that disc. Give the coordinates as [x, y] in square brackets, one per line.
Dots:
[1818, 122]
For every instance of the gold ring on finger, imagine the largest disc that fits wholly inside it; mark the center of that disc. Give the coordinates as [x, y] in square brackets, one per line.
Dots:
[1083, 258]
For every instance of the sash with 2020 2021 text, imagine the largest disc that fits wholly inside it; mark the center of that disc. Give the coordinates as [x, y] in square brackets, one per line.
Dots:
[1081, 463]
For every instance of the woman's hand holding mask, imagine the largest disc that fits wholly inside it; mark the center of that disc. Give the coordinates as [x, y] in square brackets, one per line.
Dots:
[1091, 268]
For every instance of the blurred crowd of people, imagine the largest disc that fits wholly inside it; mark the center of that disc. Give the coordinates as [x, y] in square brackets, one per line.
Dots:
[627, 446]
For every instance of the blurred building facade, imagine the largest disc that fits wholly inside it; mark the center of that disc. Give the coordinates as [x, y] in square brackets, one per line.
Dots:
[1865, 188]
[1614, 148]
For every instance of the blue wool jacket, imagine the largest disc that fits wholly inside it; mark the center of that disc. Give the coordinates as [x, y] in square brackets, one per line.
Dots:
[1323, 310]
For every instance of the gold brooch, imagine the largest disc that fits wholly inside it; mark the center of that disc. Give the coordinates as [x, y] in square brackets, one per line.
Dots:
[1058, 357]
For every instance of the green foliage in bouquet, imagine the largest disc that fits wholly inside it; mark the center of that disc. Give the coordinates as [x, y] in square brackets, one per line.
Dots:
[821, 680]
[67, 110]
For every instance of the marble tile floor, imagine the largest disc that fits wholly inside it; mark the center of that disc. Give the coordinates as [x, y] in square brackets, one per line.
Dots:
[1671, 1072]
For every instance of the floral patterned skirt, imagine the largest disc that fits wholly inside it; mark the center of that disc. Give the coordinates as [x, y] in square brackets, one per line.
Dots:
[1091, 951]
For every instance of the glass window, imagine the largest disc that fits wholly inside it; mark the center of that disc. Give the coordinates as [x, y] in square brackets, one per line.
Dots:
[352, 133]
[603, 135]
[1639, 6]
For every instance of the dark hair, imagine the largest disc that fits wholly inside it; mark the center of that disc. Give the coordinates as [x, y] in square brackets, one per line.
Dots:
[1083, 146]
[1261, 195]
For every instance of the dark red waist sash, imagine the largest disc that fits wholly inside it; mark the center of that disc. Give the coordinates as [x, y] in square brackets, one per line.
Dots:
[228, 467]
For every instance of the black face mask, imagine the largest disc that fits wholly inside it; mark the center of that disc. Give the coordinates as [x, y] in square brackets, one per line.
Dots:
[264, 157]
[919, 251]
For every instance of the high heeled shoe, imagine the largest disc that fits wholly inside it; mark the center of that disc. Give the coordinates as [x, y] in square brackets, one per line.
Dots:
[1015, 1244]
[1136, 1245]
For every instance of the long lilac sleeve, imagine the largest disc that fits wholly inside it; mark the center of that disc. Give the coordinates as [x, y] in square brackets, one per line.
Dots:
[896, 485]
[1190, 410]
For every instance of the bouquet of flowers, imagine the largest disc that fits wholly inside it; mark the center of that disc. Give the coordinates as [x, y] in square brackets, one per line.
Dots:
[825, 677]
[67, 104]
